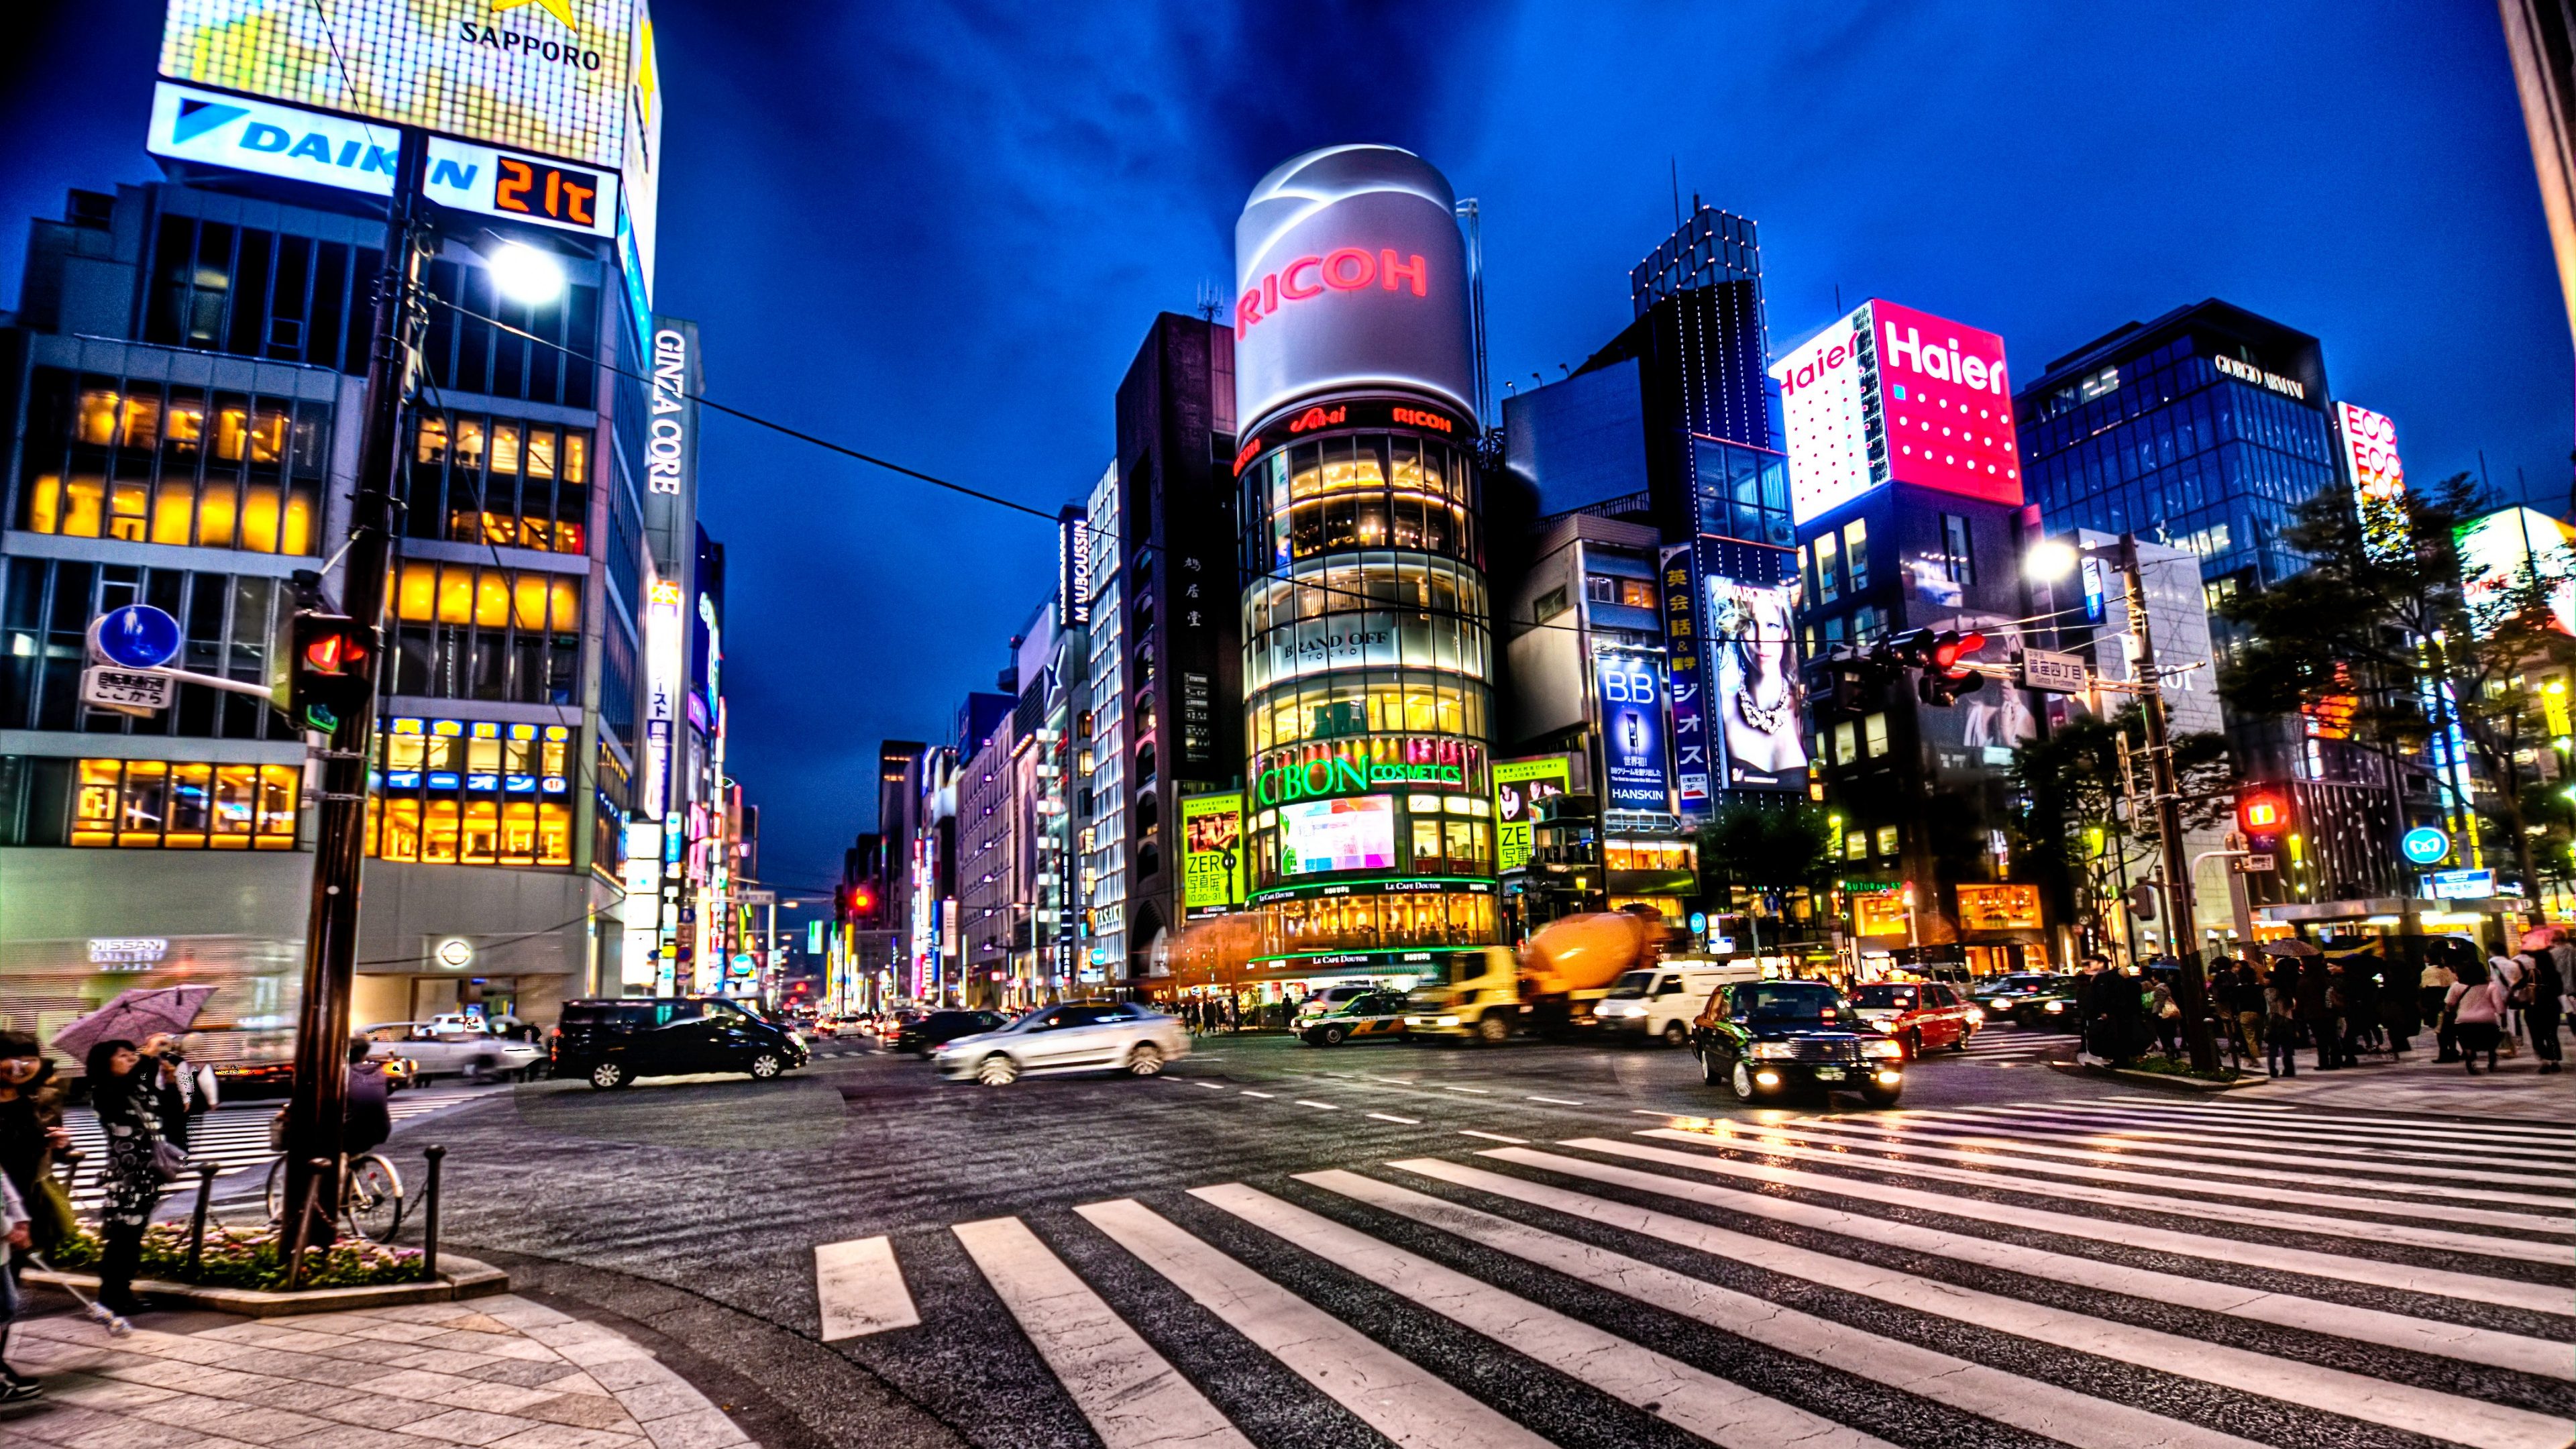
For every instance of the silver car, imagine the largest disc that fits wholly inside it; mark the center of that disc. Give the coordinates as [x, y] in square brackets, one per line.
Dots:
[1086, 1036]
[442, 1049]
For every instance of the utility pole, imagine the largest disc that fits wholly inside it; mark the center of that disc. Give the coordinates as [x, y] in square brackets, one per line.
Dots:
[314, 1111]
[2179, 931]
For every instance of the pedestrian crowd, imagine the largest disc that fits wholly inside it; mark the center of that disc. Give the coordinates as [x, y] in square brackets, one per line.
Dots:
[2342, 1006]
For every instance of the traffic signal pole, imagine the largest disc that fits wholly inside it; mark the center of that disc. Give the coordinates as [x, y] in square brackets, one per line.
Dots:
[315, 1109]
[2181, 934]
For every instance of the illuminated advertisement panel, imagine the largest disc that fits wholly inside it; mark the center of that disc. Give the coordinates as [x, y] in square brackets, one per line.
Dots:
[1330, 835]
[1999, 908]
[665, 664]
[1350, 273]
[1631, 694]
[2368, 443]
[2515, 545]
[1211, 852]
[1693, 754]
[1888, 394]
[1518, 787]
[1314, 769]
[1761, 724]
[549, 76]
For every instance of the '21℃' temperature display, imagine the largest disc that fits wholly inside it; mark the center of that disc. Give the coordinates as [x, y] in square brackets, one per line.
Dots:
[1630, 687]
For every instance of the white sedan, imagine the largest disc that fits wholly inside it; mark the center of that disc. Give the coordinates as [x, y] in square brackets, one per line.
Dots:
[441, 1049]
[1079, 1037]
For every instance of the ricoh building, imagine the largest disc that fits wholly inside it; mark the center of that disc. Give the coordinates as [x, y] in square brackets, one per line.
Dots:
[1366, 681]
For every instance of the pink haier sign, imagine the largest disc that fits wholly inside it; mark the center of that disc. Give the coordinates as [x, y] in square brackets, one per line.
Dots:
[1888, 394]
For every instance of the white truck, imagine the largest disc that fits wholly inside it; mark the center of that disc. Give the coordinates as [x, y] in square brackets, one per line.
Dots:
[1658, 1003]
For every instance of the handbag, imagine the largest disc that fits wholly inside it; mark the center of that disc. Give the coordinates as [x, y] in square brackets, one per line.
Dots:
[168, 1162]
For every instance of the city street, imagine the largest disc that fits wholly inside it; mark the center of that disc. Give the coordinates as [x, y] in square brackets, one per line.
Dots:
[1577, 1243]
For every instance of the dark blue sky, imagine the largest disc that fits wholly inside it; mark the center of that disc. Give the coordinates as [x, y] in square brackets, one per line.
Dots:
[938, 234]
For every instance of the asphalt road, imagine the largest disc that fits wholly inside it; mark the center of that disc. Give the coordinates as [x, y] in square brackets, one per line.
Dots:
[1278, 1245]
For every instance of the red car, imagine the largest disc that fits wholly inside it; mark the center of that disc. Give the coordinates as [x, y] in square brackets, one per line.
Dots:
[1924, 1015]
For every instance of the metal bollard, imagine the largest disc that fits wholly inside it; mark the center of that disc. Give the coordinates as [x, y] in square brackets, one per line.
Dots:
[197, 1225]
[429, 1214]
[304, 1221]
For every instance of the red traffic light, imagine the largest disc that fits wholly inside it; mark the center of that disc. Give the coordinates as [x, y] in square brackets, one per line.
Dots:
[1947, 648]
[2262, 812]
[331, 653]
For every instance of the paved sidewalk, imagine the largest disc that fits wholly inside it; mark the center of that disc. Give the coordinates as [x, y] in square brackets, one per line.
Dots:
[2419, 1084]
[493, 1373]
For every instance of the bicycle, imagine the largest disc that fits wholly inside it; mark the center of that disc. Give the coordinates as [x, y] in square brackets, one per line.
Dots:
[371, 1196]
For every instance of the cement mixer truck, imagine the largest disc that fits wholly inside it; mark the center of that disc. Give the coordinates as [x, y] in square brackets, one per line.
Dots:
[1550, 987]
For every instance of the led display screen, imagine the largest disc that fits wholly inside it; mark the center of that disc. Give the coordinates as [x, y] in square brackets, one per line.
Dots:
[549, 76]
[1349, 274]
[1519, 785]
[2370, 451]
[1761, 728]
[1892, 395]
[1211, 851]
[1821, 387]
[1331, 835]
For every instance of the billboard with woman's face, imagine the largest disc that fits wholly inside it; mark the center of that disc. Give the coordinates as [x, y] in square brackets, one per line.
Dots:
[1753, 687]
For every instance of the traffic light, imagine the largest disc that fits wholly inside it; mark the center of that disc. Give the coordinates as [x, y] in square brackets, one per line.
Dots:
[1943, 680]
[2263, 814]
[2142, 900]
[329, 659]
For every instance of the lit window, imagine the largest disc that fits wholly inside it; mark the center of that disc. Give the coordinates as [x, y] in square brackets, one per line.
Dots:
[157, 804]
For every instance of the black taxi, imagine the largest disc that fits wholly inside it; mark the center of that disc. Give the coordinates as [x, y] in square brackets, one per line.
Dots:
[1761, 1039]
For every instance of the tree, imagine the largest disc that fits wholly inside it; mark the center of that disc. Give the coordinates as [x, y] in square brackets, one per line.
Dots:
[1767, 848]
[2383, 617]
[2077, 814]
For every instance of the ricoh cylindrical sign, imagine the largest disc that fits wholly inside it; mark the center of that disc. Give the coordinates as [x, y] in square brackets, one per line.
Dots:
[1350, 274]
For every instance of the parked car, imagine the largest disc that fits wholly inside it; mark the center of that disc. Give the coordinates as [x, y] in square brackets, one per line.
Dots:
[1659, 1004]
[613, 1040]
[1364, 1014]
[438, 1048]
[918, 1037]
[1922, 1015]
[1765, 1038]
[1075, 1037]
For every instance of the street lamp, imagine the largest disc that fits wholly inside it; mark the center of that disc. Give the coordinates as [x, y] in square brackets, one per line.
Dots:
[524, 274]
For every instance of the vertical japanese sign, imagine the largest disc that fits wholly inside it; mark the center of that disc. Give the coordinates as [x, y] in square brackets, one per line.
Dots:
[665, 638]
[1682, 643]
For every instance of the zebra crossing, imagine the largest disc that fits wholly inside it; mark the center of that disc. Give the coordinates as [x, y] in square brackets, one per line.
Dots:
[235, 1138]
[2013, 1044]
[2101, 1273]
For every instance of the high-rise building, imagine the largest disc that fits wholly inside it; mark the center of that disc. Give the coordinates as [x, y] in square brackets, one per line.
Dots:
[1368, 822]
[1100, 740]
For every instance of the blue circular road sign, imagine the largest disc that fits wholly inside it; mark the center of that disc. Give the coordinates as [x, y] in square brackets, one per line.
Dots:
[137, 636]
[2425, 845]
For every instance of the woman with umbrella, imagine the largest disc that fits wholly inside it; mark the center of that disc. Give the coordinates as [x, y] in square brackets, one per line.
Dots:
[121, 1091]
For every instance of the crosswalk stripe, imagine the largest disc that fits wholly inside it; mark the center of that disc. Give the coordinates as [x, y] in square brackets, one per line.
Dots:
[2026, 1124]
[2366, 1325]
[1721, 1412]
[1398, 1398]
[2222, 1162]
[2424, 1138]
[2007, 1398]
[1391, 1117]
[1779, 1142]
[2512, 1129]
[1131, 1394]
[2542, 1162]
[1491, 1136]
[860, 1289]
[2416, 1410]
[1994, 1155]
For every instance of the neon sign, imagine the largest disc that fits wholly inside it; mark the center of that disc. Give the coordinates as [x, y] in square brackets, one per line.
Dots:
[1343, 269]
[1320, 770]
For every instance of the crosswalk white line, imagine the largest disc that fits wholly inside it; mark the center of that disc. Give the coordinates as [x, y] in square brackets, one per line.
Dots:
[2366, 1325]
[1391, 1394]
[860, 1290]
[1318, 1106]
[2007, 1398]
[1558, 1101]
[2030, 1124]
[1994, 1152]
[2509, 1128]
[1479, 1091]
[2539, 1163]
[2221, 1161]
[2420, 1139]
[1265, 1096]
[1391, 1117]
[1131, 1395]
[1781, 1142]
[2399, 1406]
[1492, 1136]
[1724, 1413]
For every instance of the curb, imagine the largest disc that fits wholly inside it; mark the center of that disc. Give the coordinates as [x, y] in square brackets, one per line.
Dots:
[2157, 1079]
[462, 1278]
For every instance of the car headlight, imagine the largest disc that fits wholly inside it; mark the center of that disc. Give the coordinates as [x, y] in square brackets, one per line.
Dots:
[1980, 1011]
[1773, 1051]
[1882, 1049]
[2054, 1006]
[1444, 1021]
[1623, 1008]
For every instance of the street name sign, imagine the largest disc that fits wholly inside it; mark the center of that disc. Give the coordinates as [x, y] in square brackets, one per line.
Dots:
[127, 691]
[2060, 673]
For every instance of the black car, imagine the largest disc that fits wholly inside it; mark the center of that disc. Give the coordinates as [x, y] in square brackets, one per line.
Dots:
[939, 1028]
[1767, 1038]
[613, 1040]
[2024, 996]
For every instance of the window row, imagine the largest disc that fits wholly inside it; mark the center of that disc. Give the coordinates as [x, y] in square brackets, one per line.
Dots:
[1836, 564]
[448, 831]
[1370, 491]
[498, 481]
[226, 625]
[147, 463]
[1366, 701]
[1660, 855]
[519, 758]
[470, 631]
[1362, 923]
[1743, 492]
[158, 804]
[546, 353]
[256, 293]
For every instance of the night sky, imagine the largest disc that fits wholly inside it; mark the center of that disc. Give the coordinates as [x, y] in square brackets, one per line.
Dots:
[938, 233]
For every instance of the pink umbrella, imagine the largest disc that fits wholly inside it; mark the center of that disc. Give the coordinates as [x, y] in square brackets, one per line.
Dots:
[134, 1015]
[2540, 939]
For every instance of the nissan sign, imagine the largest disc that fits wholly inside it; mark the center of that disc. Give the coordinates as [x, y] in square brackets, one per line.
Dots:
[1350, 275]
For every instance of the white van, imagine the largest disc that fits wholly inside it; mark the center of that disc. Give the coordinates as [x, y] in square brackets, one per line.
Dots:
[1645, 1004]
